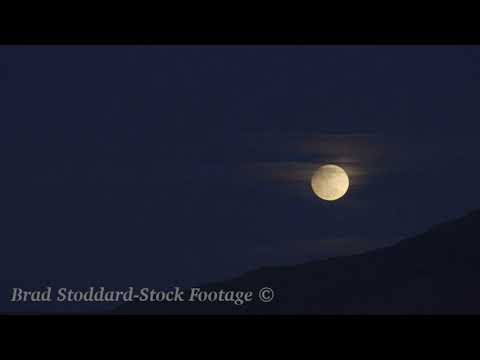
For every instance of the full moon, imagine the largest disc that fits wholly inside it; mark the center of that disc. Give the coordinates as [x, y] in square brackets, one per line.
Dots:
[330, 182]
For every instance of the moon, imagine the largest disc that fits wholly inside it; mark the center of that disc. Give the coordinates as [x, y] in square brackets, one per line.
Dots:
[330, 182]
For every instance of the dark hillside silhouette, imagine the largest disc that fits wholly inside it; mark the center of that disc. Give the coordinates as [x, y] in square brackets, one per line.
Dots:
[437, 272]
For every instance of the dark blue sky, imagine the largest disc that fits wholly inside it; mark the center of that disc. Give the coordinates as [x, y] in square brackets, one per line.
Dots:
[158, 166]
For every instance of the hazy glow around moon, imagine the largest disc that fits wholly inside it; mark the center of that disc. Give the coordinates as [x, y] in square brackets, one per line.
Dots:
[330, 182]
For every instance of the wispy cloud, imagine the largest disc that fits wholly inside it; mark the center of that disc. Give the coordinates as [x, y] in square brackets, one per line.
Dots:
[365, 157]
[356, 153]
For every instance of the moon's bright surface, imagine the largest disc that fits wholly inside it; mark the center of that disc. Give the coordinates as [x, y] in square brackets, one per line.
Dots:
[330, 182]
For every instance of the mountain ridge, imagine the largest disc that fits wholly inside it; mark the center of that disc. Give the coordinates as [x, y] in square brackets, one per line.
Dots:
[437, 271]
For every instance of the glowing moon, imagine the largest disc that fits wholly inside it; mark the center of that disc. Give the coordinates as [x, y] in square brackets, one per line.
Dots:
[330, 182]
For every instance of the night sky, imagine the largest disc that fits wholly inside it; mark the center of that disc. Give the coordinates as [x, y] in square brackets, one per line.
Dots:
[174, 165]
